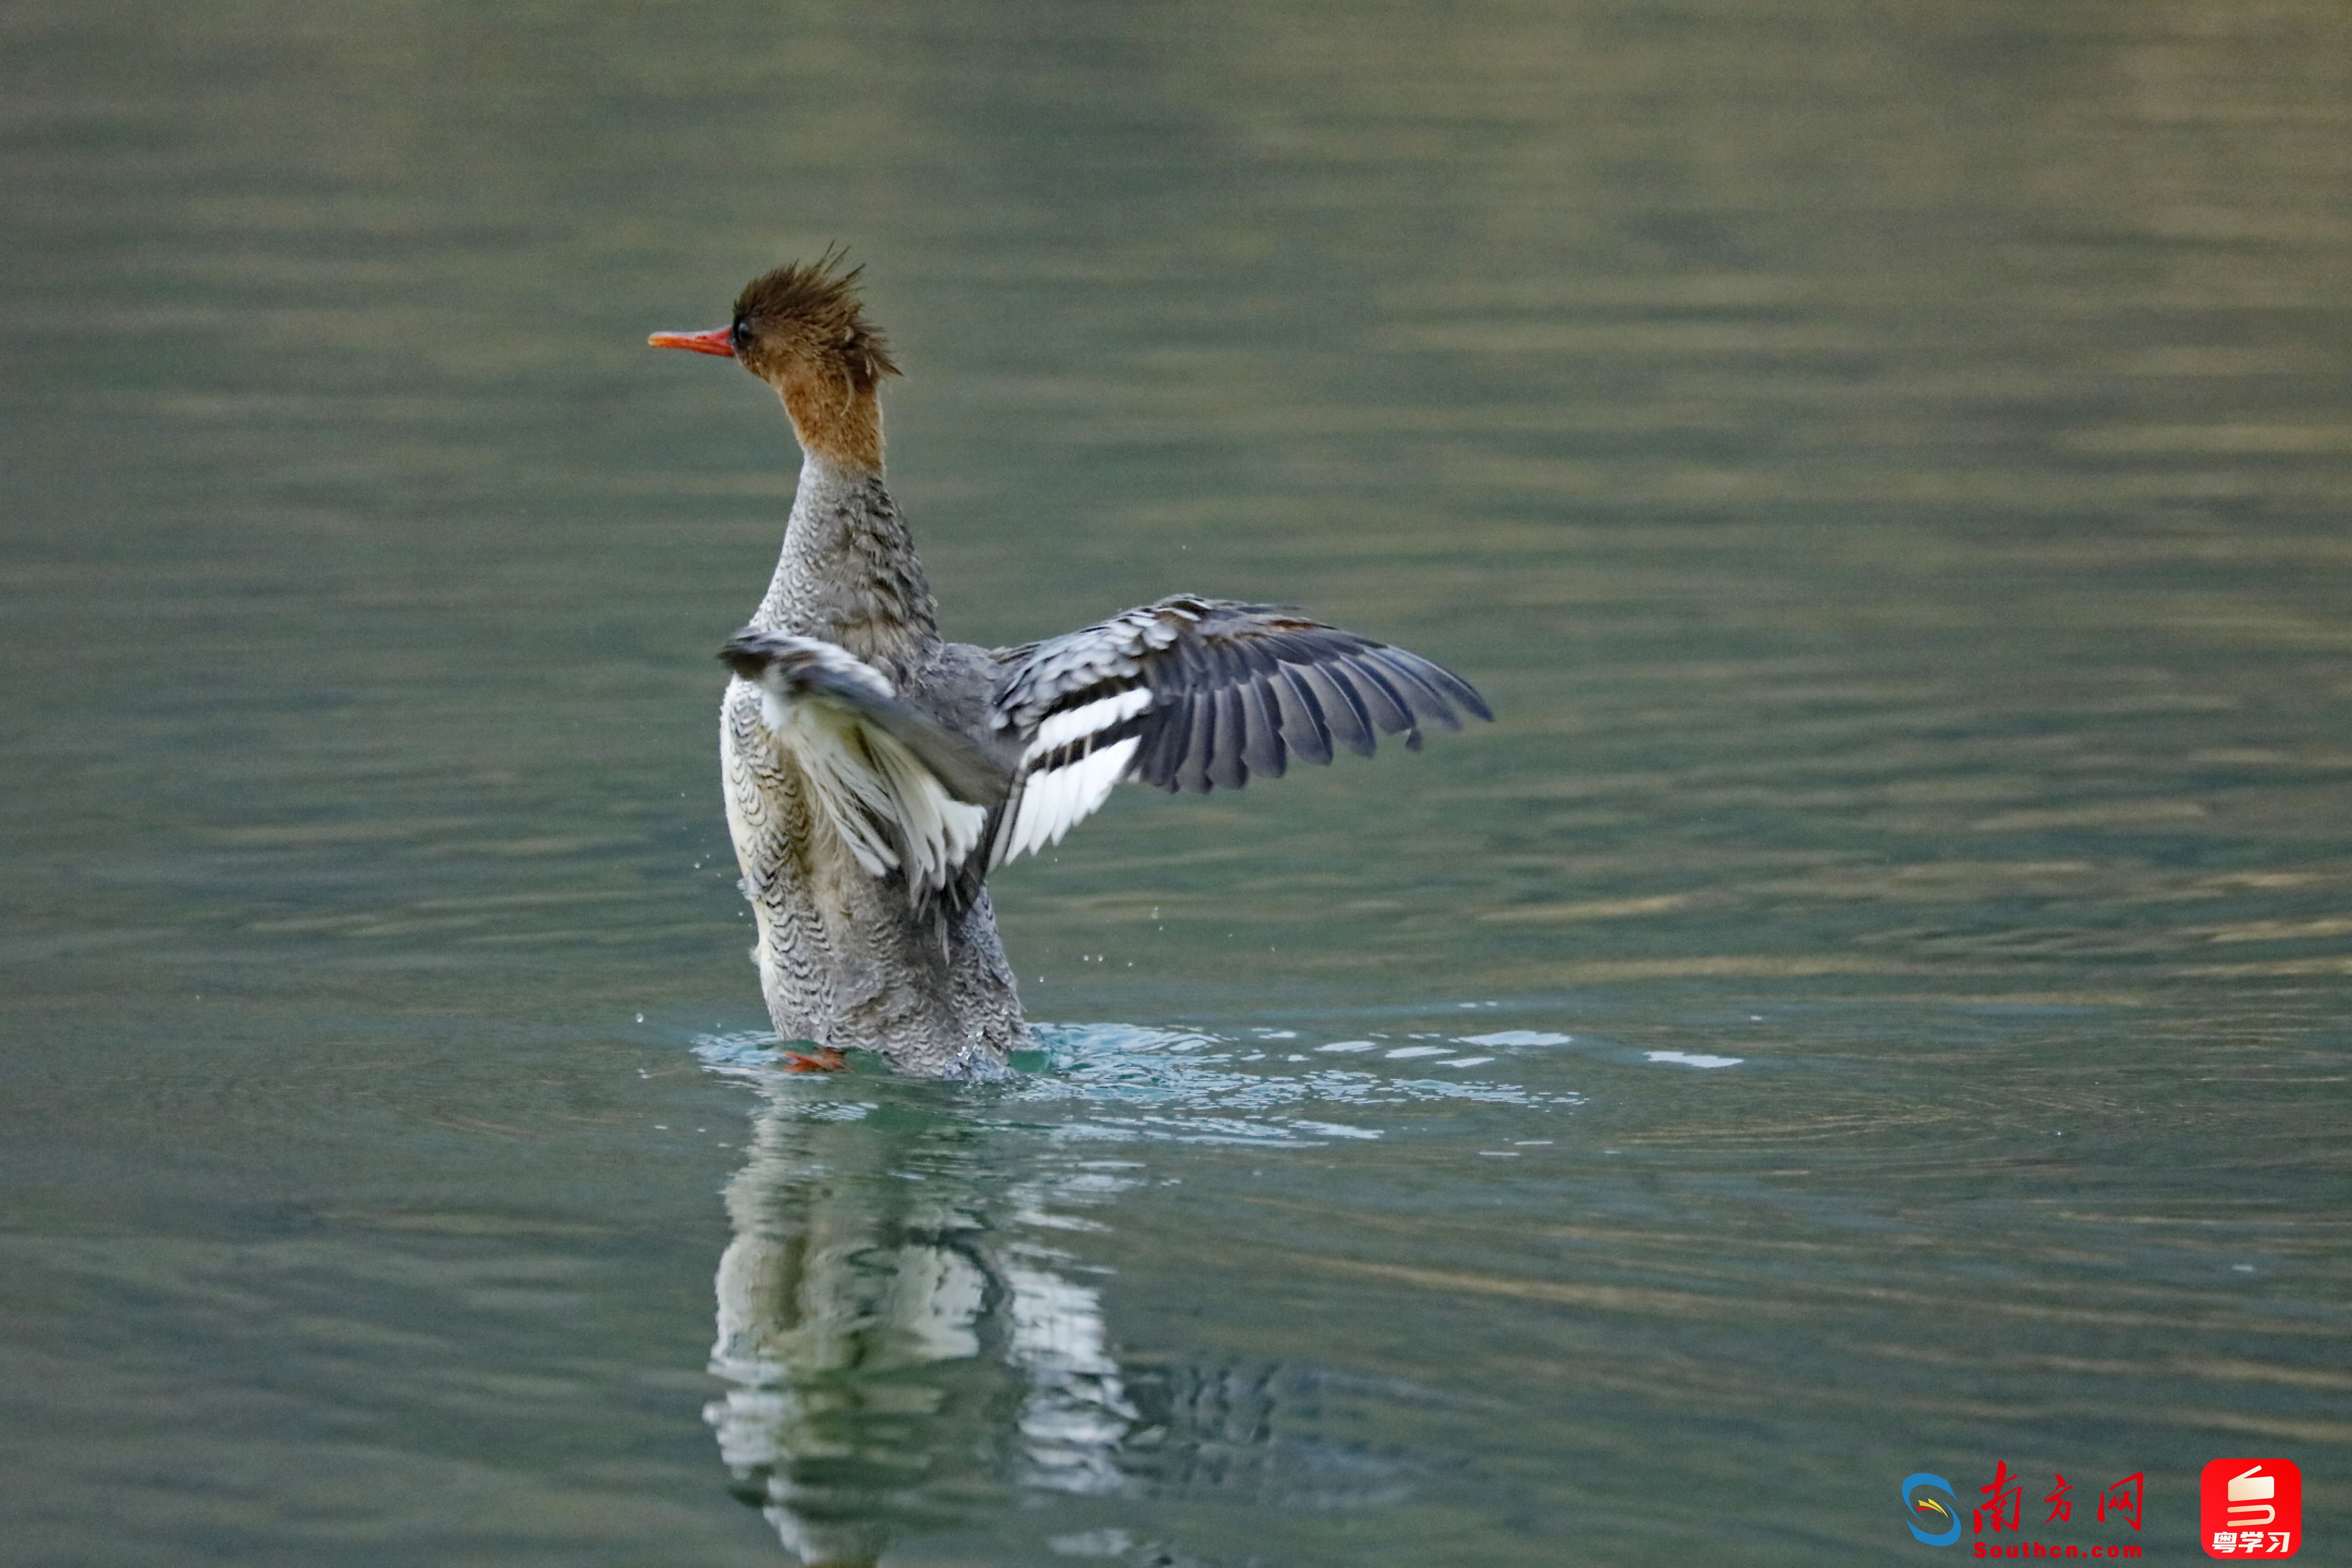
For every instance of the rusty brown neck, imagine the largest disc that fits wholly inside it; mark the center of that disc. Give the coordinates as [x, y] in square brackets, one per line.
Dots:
[834, 417]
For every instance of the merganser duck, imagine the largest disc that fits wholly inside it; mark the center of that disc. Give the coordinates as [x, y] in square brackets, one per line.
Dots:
[876, 775]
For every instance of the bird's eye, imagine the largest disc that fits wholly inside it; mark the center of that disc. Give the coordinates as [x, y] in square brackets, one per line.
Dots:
[740, 337]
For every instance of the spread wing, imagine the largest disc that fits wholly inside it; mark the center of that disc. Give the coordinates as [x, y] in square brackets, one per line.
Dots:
[902, 789]
[1192, 694]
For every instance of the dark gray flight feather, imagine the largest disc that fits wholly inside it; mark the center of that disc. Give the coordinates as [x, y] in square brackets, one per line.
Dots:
[1235, 689]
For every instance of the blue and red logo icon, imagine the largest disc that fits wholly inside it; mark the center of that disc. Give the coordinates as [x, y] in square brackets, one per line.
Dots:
[1921, 1501]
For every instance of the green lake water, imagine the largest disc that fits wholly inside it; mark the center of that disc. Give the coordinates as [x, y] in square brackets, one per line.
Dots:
[1875, 1002]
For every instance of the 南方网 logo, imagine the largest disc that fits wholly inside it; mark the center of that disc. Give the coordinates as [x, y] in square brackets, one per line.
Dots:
[1937, 1515]
[1926, 1507]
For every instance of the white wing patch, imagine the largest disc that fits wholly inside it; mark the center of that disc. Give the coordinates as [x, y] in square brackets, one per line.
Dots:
[862, 777]
[1060, 729]
[1052, 801]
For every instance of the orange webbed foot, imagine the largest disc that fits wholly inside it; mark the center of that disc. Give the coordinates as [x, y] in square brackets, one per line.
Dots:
[824, 1059]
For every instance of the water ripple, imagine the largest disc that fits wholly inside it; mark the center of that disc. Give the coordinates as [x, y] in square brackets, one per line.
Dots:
[1127, 1081]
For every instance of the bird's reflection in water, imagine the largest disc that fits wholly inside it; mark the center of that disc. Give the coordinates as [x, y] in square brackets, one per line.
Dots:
[902, 1340]
[910, 1331]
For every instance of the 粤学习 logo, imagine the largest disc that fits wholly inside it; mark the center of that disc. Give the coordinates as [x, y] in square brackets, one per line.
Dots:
[1931, 1502]
[2249, 1507]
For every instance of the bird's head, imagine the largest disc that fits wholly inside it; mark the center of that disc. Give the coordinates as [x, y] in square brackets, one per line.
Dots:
[803, 329]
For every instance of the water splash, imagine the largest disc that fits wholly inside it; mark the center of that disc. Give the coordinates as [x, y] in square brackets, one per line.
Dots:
[1129, 1081]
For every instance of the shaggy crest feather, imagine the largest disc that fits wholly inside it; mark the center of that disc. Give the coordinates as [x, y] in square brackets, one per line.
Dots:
[817, 302]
